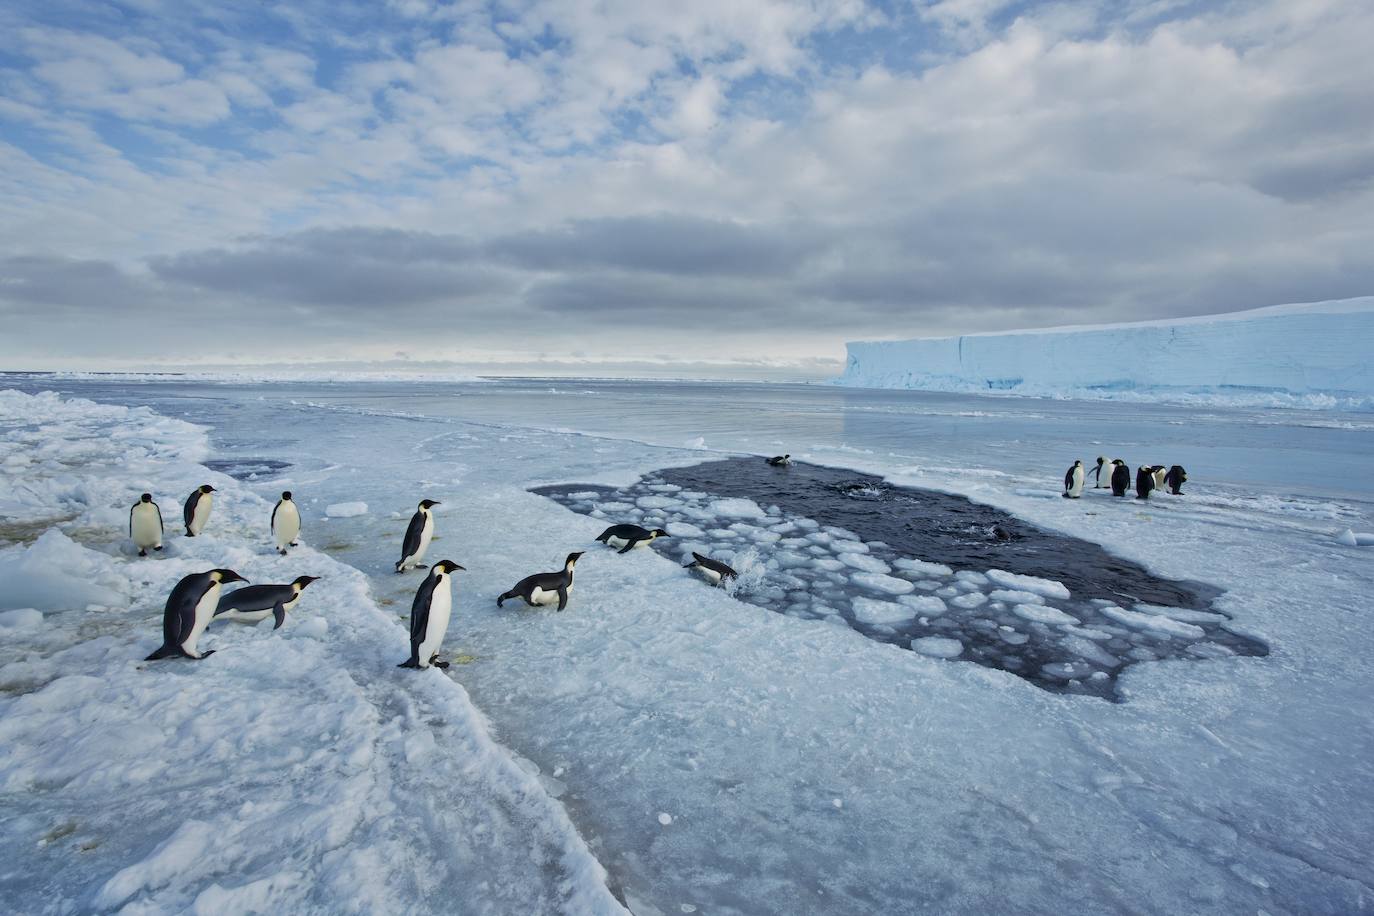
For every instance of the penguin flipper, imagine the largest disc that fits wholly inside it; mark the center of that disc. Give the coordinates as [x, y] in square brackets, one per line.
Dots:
[278, 614]
[411, 662]
[562, 597]
[202, 656]
[163, 651]
[629, 545]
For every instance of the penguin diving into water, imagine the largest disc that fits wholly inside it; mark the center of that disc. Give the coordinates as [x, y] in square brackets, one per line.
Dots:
[780, 461]
[1098, 480]
[1175, 479]
[712, 571]
[429, 616]
[286, 523]
[1144, 481]
[257, 602]
[628, 537]
[190, 607]
[1121, 477]
[1073, 481]
[196, 512]
[417, 538]
[545, 588]
[145, 524]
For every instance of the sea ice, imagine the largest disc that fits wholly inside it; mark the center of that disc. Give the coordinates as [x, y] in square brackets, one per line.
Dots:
[937, 646]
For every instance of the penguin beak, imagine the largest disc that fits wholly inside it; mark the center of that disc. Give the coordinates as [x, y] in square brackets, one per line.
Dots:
[232, 576]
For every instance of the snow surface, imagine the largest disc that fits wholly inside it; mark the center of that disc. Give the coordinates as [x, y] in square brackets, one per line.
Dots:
[1314, 355]
[345, 510]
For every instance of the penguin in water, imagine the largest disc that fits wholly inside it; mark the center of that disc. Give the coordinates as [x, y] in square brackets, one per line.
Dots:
[1175, 479]
[1098, 480]
[256, 602]
[630, 536]
[780, 461]
[1073, 481]
[1158, 473]
[545, 588]
[429, 616]
[417, 538]
[1121, 477]
[190, 607]
[286, 523]
[197, 509]
[145, 524]
[712, 571]
[1144, 481]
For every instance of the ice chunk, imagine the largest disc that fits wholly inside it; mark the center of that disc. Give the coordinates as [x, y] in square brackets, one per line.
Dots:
[970, 577]
[873, 611]
[345, 510]
[863, 561]
[1011, 596]
[1042, 614]
[921, 567]
[840, 546]
[1086, 648]
[970, 600]
[1184, 614]
[938, 646]
[683, 530]
[736, 508]
[55, 573]
[924, 604]
[24, 618]
[1046, 587]
[829, 564]
[657, 502]
[881, 583]
[1154, 623]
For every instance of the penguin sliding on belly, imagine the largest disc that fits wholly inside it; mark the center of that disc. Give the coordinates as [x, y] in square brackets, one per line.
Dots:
[628, 537]
[712, 571]
[1100, 481]
[145, 525]
[1121, 477]
[1175, 479]
[545, 588]
[286, 523]
[190, 607]
[429, 615]
[1073, 481]
[780, 461]
[257, 602]
[196, 512]
[418, 536]
[1144, 481]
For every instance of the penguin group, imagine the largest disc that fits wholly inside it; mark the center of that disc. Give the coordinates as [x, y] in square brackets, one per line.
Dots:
[1116, 475]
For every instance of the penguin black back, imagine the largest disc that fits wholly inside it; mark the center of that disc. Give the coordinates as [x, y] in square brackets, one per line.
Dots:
[1121, 478]
[1175, 479]
[1144, 481]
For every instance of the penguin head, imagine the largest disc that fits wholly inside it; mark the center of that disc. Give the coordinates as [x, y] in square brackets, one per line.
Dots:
[446, 566]
[1101, 459]
[426, 503]
[573, 558]
[1078, 464]
[226, 575]
[146, 498]
[303, 581]
[206, 488]
[660, 533]
[286, 496]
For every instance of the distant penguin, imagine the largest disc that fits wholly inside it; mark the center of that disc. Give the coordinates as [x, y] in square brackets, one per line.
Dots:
[190, 607]
[429, 615]
[1144, 482]
[417, 538]
[145, 524]
[712, 571]
[1098, 480]
[257, 602]
[1121, 477]
[286, 523]
[197, 510]
[628, 537]
[780, 461]
[545, 588]
[1158, 473]
[1073, 481]
[1175, 479]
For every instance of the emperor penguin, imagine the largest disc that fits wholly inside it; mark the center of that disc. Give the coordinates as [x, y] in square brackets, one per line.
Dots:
[286, 523]
[429, 615]
[197, 509]
[628, 537]
[1098, 480]
[1121, 477]
[712, 571]
[1175, 479]
[1144, 481]
[545, 588]
[190, 607]
[417, 537]
[256, 602]
[1073, 481]
[780, 461]
[1158, 473]
[145, 524]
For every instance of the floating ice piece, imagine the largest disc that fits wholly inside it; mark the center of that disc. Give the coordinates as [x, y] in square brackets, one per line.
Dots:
[922, 568]
[875, 612]
[970, 577]
[1012, 596]
[1086, 648]
[657, 502]
[841, 546]
[938, 646]
[614, 506]
[735, 507]
[972, 599]
[24, 618]
[1184, 614]
[345, 510]
[1352, 538]
[864, 562]
[1154, 623]
[924, 604]
[1047, 587]
[1066, 671]
[829, 564]
[698, 442]
[684, 530]
[1042, 614]
[881, 583]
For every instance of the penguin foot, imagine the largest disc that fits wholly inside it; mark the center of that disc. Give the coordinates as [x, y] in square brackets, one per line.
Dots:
[409, 663]
[435, 663]
[422, 566]
[189, 534]
[281, 550]
[204, 655]
[158, 547]
[143, 553]
[295, 543]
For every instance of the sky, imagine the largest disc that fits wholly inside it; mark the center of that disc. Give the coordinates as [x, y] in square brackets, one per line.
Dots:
[716, 187]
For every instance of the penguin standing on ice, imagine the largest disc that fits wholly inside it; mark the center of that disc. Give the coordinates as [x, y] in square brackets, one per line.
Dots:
[429, 616]
[417, 538]
[1158, 473]
[145, 524]
[1073, 481]
[628, 537]
[712, 571]
[545, 588]
[1175, 479]
[780, 461]
[286, 523]
[1121, 477]
[256, 602]
[190, 607]
[1098, 480]
[196, 512]
[1144, 481]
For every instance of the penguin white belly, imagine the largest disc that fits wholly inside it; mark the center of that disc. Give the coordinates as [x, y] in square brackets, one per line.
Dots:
[255, 616]
[287, 525]
[205, 612]
[539, 596]
[147, 528]
[710, 575]
[426, 535]
[1076, 483]
[621, 542]
[440, 605]
[200, 514]
[1159, 478]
